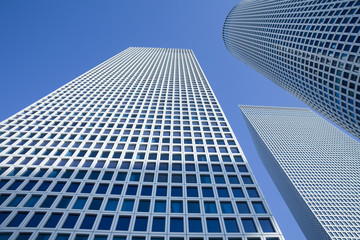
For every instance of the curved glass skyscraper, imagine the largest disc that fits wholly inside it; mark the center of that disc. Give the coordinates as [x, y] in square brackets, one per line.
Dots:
[309, 48]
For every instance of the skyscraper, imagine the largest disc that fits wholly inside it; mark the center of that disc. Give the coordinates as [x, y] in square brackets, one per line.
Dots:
[309, 48]
[136, 148]
[315, 167]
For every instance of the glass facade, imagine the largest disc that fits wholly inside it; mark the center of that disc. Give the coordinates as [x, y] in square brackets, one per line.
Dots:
[309, 48]
[315, 167]
[136, 148]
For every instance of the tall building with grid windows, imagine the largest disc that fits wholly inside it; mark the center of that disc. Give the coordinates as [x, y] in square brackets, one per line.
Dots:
[315, 167]
[136, 148]
[310, 48]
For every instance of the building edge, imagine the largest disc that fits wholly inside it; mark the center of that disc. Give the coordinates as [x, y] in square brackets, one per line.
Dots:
[307, 221]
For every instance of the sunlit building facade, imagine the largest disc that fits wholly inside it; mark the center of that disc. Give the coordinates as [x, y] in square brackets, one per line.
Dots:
[314, 165]
[136, 148]
[309, 48]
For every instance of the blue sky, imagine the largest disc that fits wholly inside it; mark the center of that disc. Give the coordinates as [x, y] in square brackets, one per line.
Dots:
[45, 44]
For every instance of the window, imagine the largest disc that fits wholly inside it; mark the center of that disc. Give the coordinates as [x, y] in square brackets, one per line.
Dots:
[176, 206]
[35, 220]
[32, 201]
[88, 221]
[207, 192]
[176, 225]
[266, 225]
[176, 191]
[161, 191]
[213, 225]
[226, 207]
[80, 203]
[249, 225]
[123, 223]
[53, 220]
[160, 206]
[231, 225]
[238, 192]
[210, 207]
[195, 225]
[112, 204]
[96, 203]
[242, 207]
[252, 192]
[141, 223]
[158, 224]
[70, 221]
[105, 222]
[259, 207]
[64, 202]
[223, 192]
[144, 206]
[193, 207]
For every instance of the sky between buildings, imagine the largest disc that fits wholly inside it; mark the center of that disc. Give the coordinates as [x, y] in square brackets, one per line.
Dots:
[45, 44]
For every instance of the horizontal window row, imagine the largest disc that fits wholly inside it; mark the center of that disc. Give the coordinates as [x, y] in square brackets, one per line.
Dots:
[141, 223]
[131, 189]
[128, 205]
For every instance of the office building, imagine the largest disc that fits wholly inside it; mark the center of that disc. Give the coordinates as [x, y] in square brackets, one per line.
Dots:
[309, 48]
[136, 148]
[314, 165]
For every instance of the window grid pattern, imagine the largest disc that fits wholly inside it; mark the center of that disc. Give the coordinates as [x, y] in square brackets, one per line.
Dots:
[309, 48]
[136, 148]
[316, 158]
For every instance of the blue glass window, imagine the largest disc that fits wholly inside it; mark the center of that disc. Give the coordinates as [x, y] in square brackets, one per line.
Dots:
[213, 225]
[205, 179]
[111, 204]
[249, 225]
[210, 207]
[176, 191]
[123, 223]
[70, 221]
[141, 223]
[16, 200]
[144, 206]
[88, 222]
[53, 220]
[146, 191]
[219, 179]
[102, 188]
[35, 220]
[176, 225]
[16, 221]
[44, 186]
[207, 192]
[105, 222]
[195, 225]
[160, 206]
[3, 216]
[177, 206]
[80, 203]
[73, 187]
[64, 202]
[58, 187]
[131, 190]
[158, 224]
[247, 180]
[49, 200]
[117, 189]
[259, 207]
[226, 207]
[128, 205]
[96, 203]
[238, 192]
[192, 192]
[231, 225]
[29, 186]
[88, 187]
[242, 207]
[266, 225]
[252, 192]
[223, 192]
[193, 207]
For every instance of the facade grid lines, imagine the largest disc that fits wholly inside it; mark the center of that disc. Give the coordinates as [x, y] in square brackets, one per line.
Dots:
[310, 48]
[136, 148]
[314, 165]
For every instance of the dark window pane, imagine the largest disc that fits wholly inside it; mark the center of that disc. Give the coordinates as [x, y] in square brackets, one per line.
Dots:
[53, 220]
[70, 221]
[123, 223]
[195, 225]
[242, 207]
[213, 225]
[266, 225]
[35, 220]
[259, 207]
[140, 223]
[105, 222]
[231, 225]
[193, 207]
[176, 225]
[249, 225]
[158, 224]
[88, 222]
[16, 221]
